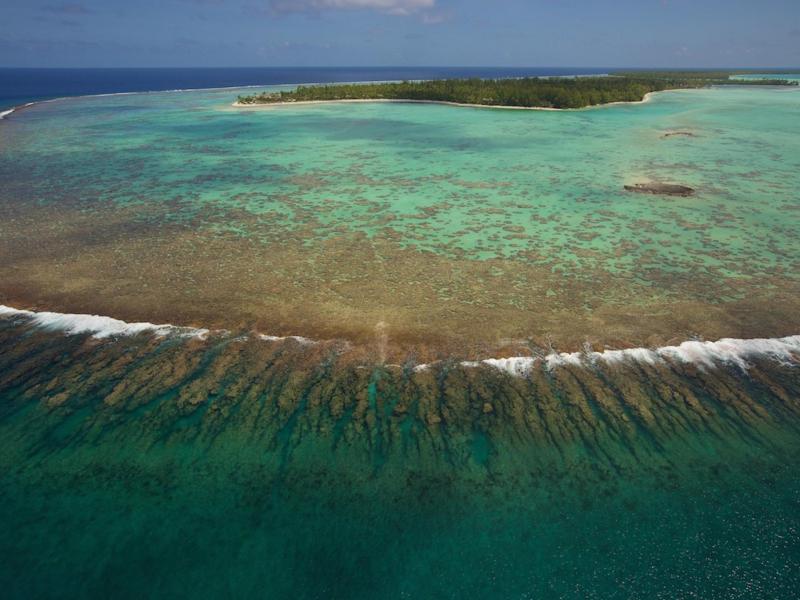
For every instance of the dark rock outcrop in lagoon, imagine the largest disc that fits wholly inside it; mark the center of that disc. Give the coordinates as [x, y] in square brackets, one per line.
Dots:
[670, 134]
[663, 189]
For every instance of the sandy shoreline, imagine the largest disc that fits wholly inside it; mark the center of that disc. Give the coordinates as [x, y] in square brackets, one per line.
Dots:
[647, 98]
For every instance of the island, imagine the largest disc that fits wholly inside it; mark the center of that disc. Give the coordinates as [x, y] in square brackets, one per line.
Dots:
[527, 92]
[664, 189]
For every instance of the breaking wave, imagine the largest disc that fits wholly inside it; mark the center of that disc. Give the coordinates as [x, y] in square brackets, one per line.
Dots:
[280, 338]
[99, 327]
[727, 351]
[5, 113]
[704, 354]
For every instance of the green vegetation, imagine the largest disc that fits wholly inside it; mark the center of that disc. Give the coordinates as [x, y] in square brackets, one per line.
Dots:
[709, 77]
[553, 92]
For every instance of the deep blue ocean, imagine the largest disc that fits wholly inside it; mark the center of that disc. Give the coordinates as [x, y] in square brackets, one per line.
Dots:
[18, 86]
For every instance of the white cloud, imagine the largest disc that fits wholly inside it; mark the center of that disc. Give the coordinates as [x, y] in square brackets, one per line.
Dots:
[393, 7]
[437, 18]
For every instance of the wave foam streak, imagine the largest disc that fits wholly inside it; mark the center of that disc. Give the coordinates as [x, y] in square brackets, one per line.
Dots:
[99, 327]
[727, 351]
[5, 113]
[703, 354]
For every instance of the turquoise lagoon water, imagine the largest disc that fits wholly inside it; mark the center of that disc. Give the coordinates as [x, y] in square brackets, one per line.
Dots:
[541, 194]
[231, 466]
[468, 174]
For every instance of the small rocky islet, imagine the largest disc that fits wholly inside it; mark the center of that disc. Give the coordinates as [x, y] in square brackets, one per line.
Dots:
[662, 189]
[670, 134]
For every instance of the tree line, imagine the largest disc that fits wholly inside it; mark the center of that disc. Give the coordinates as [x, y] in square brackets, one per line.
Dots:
[553, 92]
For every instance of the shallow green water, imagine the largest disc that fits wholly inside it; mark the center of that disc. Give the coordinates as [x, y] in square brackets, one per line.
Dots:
[492, 183]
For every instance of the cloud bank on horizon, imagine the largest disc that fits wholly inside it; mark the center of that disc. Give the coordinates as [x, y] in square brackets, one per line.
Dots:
[625, 33]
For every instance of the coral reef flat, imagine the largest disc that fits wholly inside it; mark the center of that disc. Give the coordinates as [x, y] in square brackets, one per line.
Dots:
[461, 231]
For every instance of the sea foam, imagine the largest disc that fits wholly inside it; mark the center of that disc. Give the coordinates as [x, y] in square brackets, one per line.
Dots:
[99, 327]
[5, 113]
[728, 351]
[278, 338]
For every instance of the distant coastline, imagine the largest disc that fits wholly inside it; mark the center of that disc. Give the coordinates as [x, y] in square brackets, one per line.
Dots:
[647, 98]
[531, 93]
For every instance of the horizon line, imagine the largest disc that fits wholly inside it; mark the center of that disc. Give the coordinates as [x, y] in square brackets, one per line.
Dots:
[638, 68]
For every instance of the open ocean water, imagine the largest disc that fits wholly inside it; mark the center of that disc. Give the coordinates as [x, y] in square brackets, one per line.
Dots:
[21, 85]
[409, 351]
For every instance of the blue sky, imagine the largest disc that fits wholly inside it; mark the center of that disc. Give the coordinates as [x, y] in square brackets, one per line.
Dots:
[659, 33]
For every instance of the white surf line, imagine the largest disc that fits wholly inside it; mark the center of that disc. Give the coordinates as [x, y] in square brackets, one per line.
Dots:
[341, 344]
[730, 351]
[703, 354]
[107, 327]
[5, 113]
[708, 354]
[297, 338]
[99, 327]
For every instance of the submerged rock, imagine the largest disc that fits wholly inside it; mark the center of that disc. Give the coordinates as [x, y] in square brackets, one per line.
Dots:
[666, 189]
[670, 134]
